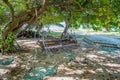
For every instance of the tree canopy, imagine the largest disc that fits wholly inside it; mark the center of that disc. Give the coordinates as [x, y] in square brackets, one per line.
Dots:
[98, 13]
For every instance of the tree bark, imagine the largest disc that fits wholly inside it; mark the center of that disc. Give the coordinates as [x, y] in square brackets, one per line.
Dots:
[68, 16]
[107, 27]
[65, 32]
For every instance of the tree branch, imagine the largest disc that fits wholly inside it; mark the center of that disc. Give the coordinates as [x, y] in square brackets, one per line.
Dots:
[33, 18]
[10, 7]
[39, 11]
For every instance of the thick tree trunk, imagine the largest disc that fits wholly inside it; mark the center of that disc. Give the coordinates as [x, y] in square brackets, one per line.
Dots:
[67, 22]
[107, 27]
[19, 20]
[12, 27]
[9, 28]
[65, 32]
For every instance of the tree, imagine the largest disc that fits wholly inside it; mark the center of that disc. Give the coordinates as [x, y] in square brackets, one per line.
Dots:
[19, 17]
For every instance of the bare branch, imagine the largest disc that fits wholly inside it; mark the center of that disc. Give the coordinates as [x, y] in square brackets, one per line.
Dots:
[39, 11]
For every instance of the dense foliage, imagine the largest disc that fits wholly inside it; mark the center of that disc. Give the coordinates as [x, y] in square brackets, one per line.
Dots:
[97, 13]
